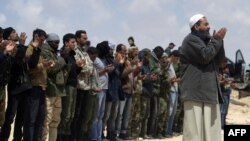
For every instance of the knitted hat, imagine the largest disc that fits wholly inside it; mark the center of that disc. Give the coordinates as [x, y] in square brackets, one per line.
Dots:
[7, 32]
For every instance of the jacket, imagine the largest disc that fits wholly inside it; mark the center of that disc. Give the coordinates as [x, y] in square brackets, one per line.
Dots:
[37, 72]
[199, 80]
[19, 67]
[87, 78]
[74, 70]
[128, 78]
[5, 64]
[114, 92]
[57, 76]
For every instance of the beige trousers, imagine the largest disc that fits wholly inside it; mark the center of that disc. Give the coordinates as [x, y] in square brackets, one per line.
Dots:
[53, 117]
[201, 122]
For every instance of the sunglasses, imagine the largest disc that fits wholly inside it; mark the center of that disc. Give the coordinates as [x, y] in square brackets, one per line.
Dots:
[56, 42]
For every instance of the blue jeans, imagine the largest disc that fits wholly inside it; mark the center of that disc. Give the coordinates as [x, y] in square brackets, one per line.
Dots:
[35, 114]
[172, 107]
[123, 116]
[96, 131]
[111, 109]
[224, 109]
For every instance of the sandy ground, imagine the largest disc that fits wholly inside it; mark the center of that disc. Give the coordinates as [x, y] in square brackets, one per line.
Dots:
[239, 113]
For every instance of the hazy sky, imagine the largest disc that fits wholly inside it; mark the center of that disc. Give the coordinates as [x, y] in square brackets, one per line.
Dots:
[151, 22]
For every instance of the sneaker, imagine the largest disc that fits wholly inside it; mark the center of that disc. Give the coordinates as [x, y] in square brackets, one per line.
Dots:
[177, 134]
[147, 137]
[139, 139]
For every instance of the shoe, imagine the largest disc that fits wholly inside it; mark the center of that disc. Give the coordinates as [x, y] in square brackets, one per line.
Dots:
[158, 136]
[125, 137]
[176, 134]
[167, 136]
[139, 139]
[147, 137]
[112, 137]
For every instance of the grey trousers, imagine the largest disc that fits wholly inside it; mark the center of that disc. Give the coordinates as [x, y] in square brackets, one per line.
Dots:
[202, 122]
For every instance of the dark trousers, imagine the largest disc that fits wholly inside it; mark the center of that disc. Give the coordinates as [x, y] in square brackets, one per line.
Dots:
[16, 107]
[35, 114]
[2, 105]
[84, 114]
[154, 114]
[224, 108]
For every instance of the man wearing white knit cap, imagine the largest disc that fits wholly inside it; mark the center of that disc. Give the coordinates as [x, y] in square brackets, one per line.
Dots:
[201, 54]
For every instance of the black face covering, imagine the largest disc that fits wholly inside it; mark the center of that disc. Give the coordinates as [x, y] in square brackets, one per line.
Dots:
[145, 61]
[204, 35]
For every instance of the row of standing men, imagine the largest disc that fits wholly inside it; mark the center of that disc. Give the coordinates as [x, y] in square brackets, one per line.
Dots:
[81, 92]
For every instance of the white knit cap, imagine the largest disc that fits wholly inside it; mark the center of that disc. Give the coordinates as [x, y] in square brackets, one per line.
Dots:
[53, 37]
[194, 19]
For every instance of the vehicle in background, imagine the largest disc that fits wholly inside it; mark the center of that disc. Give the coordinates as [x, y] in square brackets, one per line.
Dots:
[240, 71]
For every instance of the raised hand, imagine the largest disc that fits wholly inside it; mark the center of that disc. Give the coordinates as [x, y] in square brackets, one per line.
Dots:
[48, 63]
[35, 43]
[80, 63]
[154, 76]
[109, 68]
[220, 34]
[22, 38]
[10, 48]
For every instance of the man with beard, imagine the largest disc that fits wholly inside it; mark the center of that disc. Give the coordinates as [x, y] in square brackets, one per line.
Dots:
[81, 120]
[57, 76]
[7, 51]
[200, 91]
[16, 100]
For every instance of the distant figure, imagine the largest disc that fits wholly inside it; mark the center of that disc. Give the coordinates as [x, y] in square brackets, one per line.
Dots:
[131, 41]
[200, 91]
[169, 48]
[225, 84]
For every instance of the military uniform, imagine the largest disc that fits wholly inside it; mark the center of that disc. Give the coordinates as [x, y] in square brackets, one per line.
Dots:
[178, 121]
[54, 91]
[136, 108]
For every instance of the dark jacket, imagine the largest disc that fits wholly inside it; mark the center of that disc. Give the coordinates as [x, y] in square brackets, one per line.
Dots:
[199, 81]
[147, 84]
[18, 67]
[69, 58]
[5, 65]
[114, 92]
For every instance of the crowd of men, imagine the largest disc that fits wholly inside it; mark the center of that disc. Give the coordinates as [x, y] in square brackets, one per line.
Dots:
[84, 93]
[79, 92]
